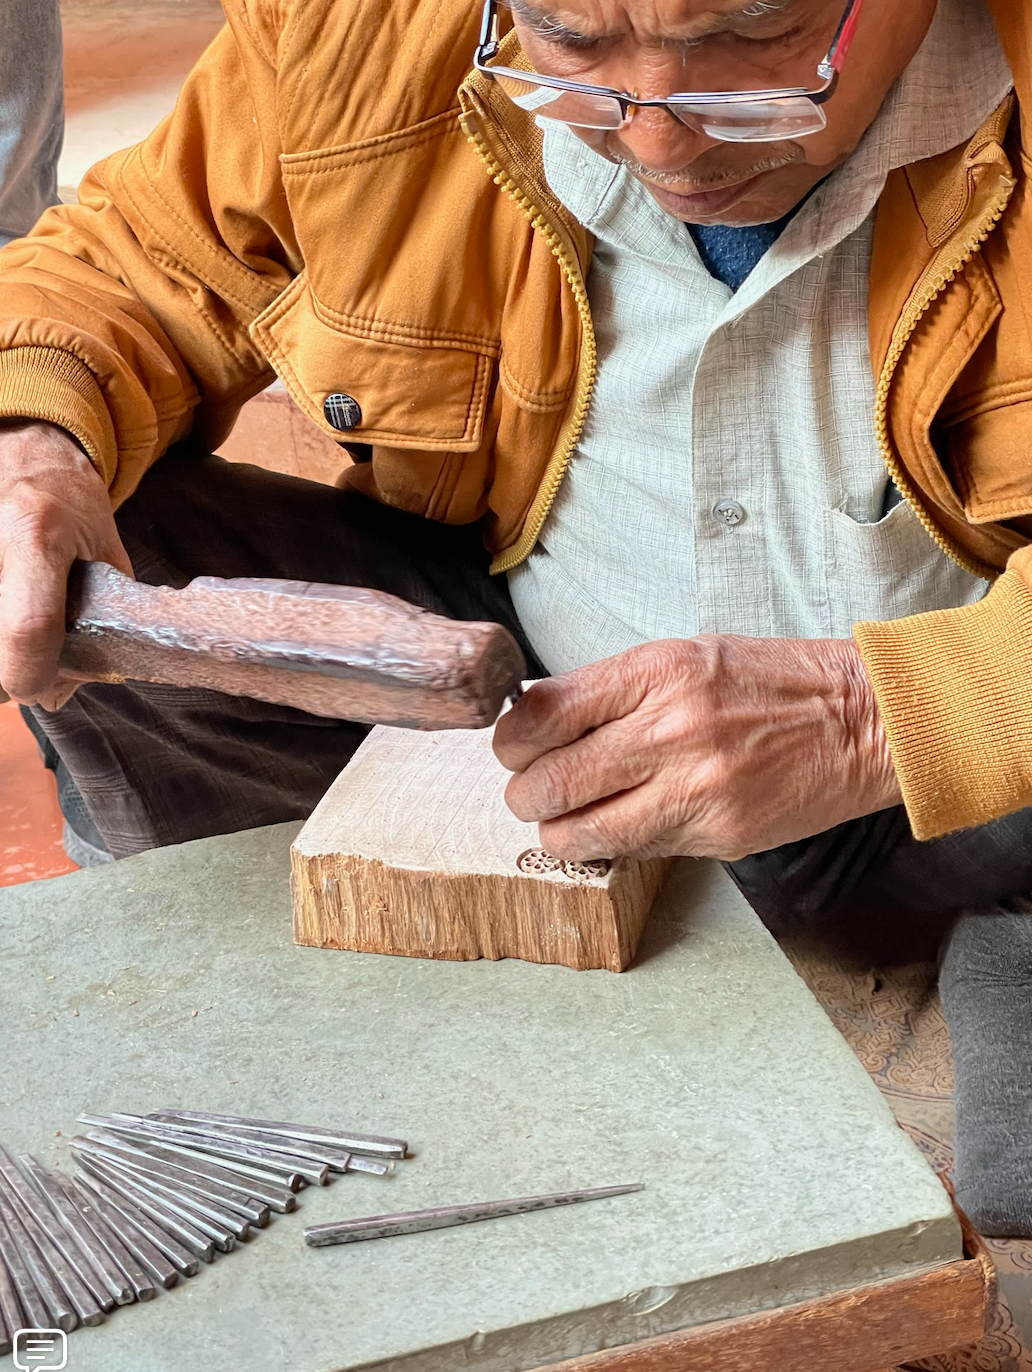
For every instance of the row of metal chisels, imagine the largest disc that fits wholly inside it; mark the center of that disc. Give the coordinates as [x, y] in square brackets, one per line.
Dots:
[154, 1196]
[151, 1199]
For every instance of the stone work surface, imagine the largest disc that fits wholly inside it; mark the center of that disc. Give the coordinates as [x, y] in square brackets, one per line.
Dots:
[774, 1170]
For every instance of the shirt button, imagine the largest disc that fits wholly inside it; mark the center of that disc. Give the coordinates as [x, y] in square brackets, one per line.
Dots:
[342, 411]
[728, 513]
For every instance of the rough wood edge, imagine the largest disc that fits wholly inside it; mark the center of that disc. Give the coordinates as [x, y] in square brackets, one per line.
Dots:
[862, 1330]
[593, 928]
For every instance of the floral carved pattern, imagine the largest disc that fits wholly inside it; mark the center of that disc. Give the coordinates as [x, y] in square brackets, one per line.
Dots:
[537, 862]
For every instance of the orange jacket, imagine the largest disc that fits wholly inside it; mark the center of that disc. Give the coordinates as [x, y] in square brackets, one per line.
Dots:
[336, 201]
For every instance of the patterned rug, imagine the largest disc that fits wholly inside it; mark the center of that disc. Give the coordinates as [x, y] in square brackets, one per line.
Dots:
[894, 1024]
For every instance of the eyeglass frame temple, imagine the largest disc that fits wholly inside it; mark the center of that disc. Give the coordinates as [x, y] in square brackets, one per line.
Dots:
[842, 42]
[488, 45]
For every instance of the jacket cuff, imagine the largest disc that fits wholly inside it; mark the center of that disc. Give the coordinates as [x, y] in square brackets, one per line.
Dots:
[955, 692]
[56, 386]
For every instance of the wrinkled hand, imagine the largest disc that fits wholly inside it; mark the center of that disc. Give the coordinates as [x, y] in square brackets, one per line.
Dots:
[716, 746]
[54, 508]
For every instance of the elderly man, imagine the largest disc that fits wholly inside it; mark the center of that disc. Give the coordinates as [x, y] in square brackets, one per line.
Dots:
[709, 319]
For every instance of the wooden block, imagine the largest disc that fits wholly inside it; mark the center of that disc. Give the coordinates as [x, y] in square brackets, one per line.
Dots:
[413, 851]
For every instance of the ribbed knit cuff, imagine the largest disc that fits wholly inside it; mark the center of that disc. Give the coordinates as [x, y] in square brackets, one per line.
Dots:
[56, 386]
[955, 692]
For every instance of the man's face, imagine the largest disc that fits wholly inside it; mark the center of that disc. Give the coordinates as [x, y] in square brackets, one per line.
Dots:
[653, 48]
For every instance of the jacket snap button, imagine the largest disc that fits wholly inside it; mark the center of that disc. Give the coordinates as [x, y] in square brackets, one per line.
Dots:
[342, 411]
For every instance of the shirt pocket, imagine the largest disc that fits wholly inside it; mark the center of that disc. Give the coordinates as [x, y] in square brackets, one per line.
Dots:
[888, 570]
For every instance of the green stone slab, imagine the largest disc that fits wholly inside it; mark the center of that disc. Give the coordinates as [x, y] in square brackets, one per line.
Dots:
[775, 1172]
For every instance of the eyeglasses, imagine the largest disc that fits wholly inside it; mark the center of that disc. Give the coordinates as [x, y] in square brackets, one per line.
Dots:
[761, 116]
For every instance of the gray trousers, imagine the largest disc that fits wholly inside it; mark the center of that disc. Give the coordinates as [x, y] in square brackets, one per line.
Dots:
[31, 112]
[160, 765]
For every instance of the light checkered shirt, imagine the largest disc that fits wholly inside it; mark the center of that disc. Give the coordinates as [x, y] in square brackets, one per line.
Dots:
[764, 398]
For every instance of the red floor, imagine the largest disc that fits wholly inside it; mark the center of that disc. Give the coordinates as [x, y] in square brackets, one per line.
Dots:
[30, 821]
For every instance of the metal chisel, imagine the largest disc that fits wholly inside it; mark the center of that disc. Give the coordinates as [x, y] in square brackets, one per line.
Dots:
[447, 1216]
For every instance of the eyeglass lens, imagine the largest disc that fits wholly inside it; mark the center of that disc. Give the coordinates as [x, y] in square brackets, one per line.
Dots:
[749, 122]
[756, 121]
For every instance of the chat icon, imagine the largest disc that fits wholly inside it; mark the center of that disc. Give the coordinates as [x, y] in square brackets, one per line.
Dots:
[40, 1350]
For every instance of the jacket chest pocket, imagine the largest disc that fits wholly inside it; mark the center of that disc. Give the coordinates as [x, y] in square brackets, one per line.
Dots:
[385, 313]
[982, 430]
[424, 395]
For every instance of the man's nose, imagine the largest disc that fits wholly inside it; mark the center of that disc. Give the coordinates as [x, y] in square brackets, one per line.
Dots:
[655, 139]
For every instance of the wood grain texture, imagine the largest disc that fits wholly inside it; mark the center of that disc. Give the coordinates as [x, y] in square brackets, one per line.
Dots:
[339, 651]
[864, 1330]
[413, 851]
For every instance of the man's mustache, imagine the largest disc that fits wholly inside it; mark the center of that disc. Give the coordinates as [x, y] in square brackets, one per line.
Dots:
[699, 184]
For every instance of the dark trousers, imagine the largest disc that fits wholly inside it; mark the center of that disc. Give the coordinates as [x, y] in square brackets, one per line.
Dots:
[160, 764]
[868, 889]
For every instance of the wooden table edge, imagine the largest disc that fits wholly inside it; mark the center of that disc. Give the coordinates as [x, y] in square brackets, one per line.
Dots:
[863, 1329]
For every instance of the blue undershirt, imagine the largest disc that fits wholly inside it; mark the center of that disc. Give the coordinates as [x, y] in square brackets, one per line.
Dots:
[730, 253]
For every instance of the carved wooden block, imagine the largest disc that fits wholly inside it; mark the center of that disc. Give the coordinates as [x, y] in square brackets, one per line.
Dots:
[413, 851]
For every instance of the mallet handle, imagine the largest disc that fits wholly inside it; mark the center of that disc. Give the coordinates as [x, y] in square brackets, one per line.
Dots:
[340, 651]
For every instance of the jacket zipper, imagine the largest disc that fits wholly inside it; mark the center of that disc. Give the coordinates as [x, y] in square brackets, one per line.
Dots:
[925, 293]
[573, 426]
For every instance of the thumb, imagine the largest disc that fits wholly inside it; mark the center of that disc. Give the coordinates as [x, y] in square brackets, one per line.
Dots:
[113, 552]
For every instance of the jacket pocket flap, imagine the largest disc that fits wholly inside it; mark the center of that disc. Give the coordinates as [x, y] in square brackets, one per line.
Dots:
[428, 396]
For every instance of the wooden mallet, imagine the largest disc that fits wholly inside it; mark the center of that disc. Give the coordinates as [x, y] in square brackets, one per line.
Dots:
[339, 651]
